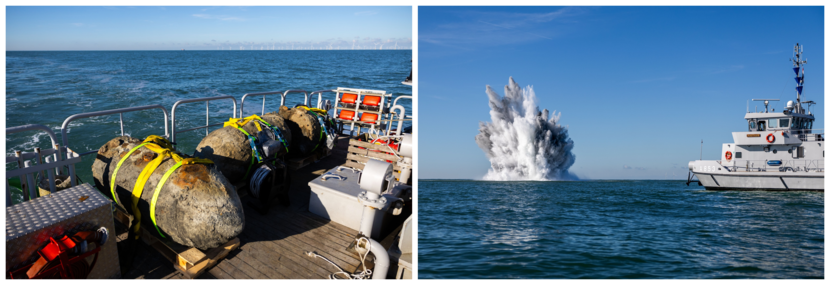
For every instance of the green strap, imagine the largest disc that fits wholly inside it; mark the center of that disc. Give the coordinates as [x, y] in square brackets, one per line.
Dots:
[156, 195]
[115, 172]
[320, 140]
[276, 133]
[253, 151]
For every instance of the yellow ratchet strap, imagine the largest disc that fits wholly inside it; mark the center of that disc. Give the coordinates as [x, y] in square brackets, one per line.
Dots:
[318, 111]
[158, 145]
[115, 172]
[164, 179]
[239, 122]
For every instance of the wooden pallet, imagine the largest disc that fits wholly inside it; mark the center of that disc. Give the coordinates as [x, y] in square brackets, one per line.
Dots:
[360, 152]
[190, 261]
[297, 163]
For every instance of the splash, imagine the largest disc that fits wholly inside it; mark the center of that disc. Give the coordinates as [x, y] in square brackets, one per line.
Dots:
[521, 142]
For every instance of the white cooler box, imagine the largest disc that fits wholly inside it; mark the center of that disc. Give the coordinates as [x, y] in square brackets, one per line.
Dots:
[336, 200]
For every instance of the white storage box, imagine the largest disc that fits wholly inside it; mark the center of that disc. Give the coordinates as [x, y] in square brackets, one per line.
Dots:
[336, 200]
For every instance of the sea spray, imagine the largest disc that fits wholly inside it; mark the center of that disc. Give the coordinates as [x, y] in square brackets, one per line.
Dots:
[521, 142]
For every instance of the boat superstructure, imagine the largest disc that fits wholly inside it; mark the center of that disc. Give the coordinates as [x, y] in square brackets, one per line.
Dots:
[367, 166]
[778, 151]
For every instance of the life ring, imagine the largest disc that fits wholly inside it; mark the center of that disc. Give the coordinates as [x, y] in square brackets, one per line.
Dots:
[728, 155]
[770, 138]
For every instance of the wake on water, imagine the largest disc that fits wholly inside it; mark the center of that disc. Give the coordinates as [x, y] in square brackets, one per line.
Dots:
[521, 142]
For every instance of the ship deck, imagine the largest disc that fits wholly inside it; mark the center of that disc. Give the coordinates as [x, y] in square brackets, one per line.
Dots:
[272, 246]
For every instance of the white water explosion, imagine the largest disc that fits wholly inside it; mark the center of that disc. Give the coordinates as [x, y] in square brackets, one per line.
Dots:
[521, 142]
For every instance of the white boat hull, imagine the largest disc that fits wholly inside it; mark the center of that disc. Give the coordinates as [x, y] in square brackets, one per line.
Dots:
[761, 181]
[715, 176]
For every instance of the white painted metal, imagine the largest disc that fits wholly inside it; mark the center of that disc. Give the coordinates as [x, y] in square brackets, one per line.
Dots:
[320, 97]
[337, 200]
[376, 173]
[263, 94]
[30, 179]
[207, 115]
[65, 125]
[381, 260]
[282, 103]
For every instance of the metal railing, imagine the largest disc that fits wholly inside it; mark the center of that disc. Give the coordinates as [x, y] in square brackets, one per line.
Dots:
[120, 112]
[320, 96]
[793, 165]
[263, 94]
[282, 102]
[207, 114]
[808, 135]
[49, 164]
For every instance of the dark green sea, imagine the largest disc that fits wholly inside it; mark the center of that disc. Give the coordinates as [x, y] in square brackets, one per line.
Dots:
[615, 229]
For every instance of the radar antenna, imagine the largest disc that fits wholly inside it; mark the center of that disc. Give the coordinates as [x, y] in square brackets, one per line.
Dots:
[799, 75]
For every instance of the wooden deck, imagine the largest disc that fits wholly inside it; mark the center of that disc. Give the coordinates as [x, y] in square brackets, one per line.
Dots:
[272, 246]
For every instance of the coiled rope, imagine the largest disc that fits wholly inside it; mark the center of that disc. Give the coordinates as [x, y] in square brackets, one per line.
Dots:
[365, 274]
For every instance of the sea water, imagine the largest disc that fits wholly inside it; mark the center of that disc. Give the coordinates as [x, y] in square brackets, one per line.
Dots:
[615, 229]
[46, 87]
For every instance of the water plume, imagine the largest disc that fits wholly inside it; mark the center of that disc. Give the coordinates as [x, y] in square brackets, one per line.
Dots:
[521, 142]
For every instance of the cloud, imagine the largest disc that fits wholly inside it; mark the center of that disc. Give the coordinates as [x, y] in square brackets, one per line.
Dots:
[218, 17]
[365, 13]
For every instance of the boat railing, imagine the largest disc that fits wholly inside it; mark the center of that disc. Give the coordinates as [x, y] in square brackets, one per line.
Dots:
[120, 112]
[320, 98]
[793, 165]
[263, 94]
[401, 117]
[207, 114]
[284, 94]
[41, 162]
[808, 135]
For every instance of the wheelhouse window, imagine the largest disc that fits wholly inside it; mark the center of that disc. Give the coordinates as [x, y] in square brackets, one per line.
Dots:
[751, 125]
[762, 126]
[784, 122]
[773, 123]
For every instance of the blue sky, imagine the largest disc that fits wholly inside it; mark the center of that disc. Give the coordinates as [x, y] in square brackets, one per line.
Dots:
[210, 28]
[638, 87]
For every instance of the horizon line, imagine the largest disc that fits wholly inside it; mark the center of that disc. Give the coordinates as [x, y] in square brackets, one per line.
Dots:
[204, 50]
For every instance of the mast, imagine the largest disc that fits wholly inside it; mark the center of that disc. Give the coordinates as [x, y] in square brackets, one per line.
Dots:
[799, 75]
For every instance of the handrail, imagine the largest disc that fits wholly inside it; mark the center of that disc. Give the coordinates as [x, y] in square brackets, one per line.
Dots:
[57, 156]
[28, 179]
[207, 114]
[401, 118]
[401, 97]
[242, 104]
[756, 165]
[65, 132]
[320, 96]
[282, 103]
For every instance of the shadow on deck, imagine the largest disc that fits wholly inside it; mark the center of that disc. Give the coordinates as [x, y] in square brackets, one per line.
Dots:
[272, 246]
